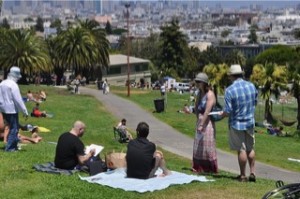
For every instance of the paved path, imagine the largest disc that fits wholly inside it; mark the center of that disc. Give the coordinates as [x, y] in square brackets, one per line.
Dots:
[172, 140]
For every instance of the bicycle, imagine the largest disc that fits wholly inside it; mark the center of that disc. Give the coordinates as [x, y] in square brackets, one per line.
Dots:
[289, 191]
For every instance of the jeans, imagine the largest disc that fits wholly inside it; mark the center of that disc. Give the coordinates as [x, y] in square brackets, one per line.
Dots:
[12, 139]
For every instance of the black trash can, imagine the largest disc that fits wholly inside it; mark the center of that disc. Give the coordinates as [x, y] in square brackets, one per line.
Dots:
[159, 105]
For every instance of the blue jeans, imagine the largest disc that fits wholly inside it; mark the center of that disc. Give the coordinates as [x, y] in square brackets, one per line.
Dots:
[12, 139]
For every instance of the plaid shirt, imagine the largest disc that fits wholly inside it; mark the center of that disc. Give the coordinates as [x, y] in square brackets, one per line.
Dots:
[240, 101]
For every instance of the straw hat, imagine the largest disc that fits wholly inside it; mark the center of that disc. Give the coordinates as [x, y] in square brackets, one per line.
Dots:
[202, 77]
[235, 69]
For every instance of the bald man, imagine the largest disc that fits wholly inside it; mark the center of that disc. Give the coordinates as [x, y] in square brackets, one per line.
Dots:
[70, 149]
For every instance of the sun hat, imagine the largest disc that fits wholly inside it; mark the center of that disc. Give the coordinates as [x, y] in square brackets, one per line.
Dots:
[235, 69]
[15, 72]
[202, 77]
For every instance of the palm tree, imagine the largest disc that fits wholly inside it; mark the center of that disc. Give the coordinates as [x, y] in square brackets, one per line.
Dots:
[294, 76]
[271, 78]
[83, 48]
[24, 49]
[53, 44]
[217, 75]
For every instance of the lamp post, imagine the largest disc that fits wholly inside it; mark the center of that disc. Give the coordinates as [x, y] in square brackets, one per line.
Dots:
[127, 5]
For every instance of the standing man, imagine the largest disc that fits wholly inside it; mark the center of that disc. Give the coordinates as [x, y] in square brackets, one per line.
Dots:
[11, 103]
[240, 101]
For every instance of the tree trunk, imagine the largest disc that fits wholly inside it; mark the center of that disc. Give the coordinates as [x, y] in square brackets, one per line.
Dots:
[59, 73]
[298, 112]
[267, 109]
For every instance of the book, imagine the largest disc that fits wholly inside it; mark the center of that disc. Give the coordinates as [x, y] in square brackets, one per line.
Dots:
[215, 113]
[98, 149]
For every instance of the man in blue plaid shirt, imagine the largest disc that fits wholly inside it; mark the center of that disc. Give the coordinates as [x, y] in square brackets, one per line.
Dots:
[240, 101]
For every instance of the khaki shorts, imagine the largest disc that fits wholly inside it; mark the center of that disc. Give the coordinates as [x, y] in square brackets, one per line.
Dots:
[241, 140]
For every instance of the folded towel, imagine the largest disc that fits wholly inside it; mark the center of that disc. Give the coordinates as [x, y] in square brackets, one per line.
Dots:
[117, 179]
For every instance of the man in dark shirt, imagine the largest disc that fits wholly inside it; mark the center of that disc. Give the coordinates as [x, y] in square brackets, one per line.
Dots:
[70, 149]
[142, 157]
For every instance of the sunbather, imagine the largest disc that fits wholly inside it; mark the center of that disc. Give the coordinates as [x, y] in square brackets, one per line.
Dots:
[4, 131]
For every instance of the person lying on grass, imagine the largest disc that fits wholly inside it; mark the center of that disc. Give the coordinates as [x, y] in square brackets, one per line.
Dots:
[4, 131]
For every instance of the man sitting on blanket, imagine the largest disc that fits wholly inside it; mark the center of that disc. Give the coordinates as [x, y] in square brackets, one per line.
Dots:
[70, 149]
[142, 158]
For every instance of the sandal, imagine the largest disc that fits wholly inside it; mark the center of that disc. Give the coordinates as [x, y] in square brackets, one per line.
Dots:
[242, 178]
[252, 178]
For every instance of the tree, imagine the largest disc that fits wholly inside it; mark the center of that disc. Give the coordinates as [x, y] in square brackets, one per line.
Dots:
[225, 33]
[271, 78]
[1, 2]
[108, 28]
[278, 54]
[296, 33]
[5, 24]
[56, 24]
[39, 25]
[191, 61]
[294, 77]
[24, 49]
[252, 37]
[217, 75]
[83, 48]
[210, 55]
[235, 57]
[173, 46]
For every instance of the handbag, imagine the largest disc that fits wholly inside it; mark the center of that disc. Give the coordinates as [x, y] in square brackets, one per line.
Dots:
[115, 160]
[216, 117]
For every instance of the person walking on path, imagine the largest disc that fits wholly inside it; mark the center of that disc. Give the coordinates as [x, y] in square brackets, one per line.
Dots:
[104, 85]
[204, 150]
[240, 101]
[11, 103]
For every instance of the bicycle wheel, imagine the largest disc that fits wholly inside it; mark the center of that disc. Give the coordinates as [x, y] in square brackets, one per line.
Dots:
[290, 191]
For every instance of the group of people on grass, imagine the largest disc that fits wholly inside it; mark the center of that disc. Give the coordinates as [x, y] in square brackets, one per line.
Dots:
[36, 97]
[142, 157]
[240, 101]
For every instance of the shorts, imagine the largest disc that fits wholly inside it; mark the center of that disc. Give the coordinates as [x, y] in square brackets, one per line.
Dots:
[241, 140]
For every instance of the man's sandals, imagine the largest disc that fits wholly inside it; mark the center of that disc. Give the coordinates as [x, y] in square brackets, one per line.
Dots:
[251, 178]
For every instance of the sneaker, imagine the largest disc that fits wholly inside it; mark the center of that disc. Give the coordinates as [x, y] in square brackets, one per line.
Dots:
[252, 178]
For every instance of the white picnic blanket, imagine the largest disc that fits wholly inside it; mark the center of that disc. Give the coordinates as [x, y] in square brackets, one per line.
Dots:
[117, 179]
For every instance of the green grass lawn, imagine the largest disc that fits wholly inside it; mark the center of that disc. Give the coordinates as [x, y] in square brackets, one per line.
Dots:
[19, 180]
[269, 149]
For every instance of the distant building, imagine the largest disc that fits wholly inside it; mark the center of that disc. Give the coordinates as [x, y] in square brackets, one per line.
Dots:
[117, 70]
[249, 50]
